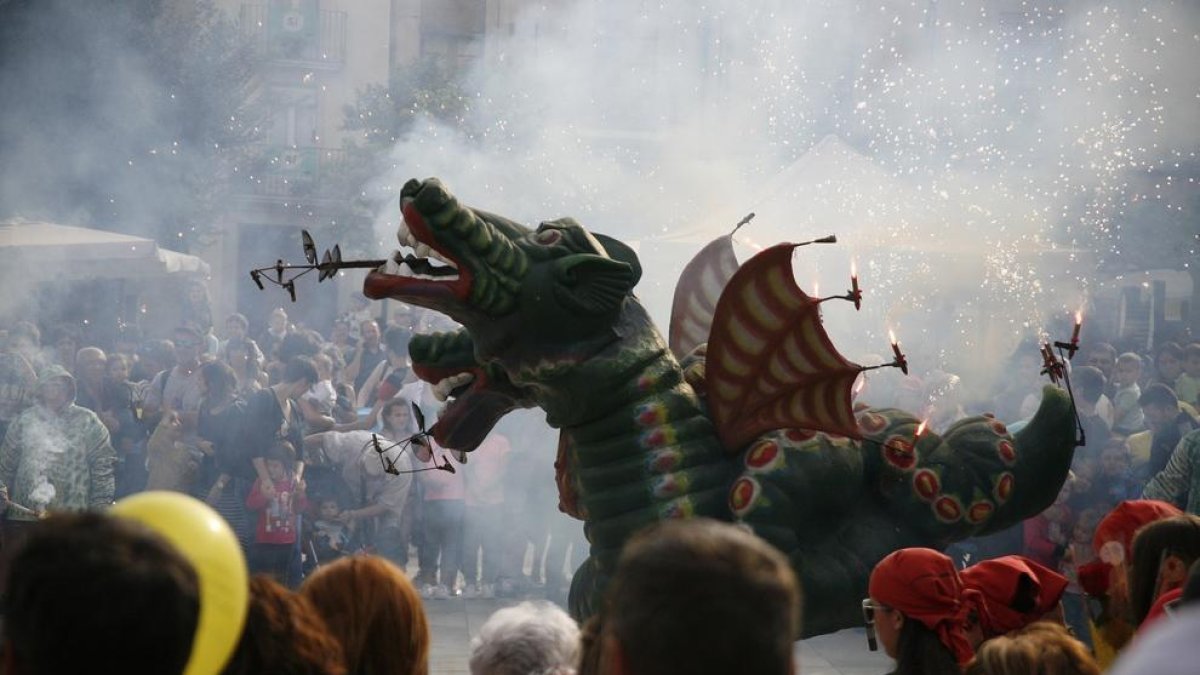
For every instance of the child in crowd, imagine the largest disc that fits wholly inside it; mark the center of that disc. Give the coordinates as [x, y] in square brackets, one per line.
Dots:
[1127, 414]
[1116, 475]
[275, 537]
[330, 537]
[1046, 535]
[1079, 552]
[1168, 364]
[1187, 386]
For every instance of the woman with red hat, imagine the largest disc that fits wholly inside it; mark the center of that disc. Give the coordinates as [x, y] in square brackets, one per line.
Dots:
[1107, 578]
[1015, 592]
[917, 607]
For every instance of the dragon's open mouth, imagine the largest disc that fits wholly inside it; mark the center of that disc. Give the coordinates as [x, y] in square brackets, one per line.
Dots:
[421, 267]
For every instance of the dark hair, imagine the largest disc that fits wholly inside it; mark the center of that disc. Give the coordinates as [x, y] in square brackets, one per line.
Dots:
[282, 451]
[1191, 589]
[300, 368]
[88, 592]
[699, 596]
[1105, 348]
[253, 368]
[284, 634]
[239, 319]
[396, 340]
[1160, 395]
[298, 343]
[219, 380]
[397, 402]
[1089, 383]
[919, 651]
[1178, 536]
[1170, 349]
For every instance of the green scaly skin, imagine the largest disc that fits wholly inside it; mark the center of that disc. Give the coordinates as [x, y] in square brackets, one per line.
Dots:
[550, 320]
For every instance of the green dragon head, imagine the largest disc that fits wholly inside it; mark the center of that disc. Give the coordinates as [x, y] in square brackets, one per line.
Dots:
[529, 300]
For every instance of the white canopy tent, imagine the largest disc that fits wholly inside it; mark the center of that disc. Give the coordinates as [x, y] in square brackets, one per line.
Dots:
[35, 250]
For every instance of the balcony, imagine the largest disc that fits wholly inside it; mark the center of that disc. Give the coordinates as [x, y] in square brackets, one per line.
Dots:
[297, 172]
[300, 35]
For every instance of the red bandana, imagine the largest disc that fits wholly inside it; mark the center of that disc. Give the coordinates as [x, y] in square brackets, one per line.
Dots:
[923, 585]
[996, 580]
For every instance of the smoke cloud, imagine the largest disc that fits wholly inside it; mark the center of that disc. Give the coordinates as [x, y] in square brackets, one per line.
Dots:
[969, 157]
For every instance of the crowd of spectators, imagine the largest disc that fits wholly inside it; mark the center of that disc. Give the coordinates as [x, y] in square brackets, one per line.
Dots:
[311, 449]
[280, 431]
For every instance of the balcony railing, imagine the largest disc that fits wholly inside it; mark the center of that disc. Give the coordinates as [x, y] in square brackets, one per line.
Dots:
[301, 34]
[307, 172]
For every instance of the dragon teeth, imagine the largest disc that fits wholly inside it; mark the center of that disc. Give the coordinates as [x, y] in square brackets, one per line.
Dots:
[441, 390]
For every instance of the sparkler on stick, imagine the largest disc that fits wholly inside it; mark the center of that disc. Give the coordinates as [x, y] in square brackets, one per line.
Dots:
[899, 359]
[329, 265]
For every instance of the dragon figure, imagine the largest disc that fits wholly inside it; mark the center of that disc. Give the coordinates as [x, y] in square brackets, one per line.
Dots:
[757, 427]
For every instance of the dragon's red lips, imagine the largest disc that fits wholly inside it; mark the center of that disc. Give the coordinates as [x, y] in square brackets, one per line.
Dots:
[471, 412]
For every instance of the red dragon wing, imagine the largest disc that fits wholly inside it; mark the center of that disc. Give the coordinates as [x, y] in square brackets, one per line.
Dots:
[770, 364]
[696, 294]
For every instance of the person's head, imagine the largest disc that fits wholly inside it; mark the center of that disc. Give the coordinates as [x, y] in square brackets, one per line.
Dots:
[217, 381]
[1113, 543]
[1168, 361]
[117, 369]
[532, 637]
[67, 339]
[324, 366]
[93, 593]
[396, 417]
[1191, 359]
[1115, 459]
[189, 345]
[918, 610]
[340, 334]
[157, 355]
[1160, 407]
[284, 634]
[299, 375]
[698, 596]
[1104, 357]
[24, 337]
[278, 321]
[55, 388]
[1089, 386]
[1042, 648]
[1085, 526]
[241, 356]
[90, 365]
[1163, 552]
[1015, 591]
[1128, 370]
[236, 326]
[329, 508]
[396, 342]
[369, 330]
[280, 458]
[374, 612]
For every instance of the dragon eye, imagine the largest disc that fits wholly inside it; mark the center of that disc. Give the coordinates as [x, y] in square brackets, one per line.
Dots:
[547, 237]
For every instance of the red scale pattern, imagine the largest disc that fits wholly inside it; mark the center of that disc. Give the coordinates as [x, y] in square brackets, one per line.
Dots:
[770, 363]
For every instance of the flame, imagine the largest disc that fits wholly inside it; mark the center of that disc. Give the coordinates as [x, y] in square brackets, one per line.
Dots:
[892, 337]
[816, 289]
[1079, 316]
[853, 268]
[862, 382]
[921, 427]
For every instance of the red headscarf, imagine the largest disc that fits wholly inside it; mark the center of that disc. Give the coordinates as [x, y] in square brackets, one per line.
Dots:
[1117, 529]
[923, 585]
[1126, 519]
[996, 580]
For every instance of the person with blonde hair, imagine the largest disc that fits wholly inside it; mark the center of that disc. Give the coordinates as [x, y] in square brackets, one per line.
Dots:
[375, 613]
[1042, 648]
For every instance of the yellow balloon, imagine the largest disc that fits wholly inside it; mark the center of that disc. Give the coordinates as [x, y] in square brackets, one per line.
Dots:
[206, 540]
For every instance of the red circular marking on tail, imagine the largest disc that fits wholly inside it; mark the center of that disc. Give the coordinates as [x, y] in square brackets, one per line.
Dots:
[979, 512]
[762, 454]
[1007, 451]
[947, 509]
[1004, 487]
[927, 485]
[899, 452]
